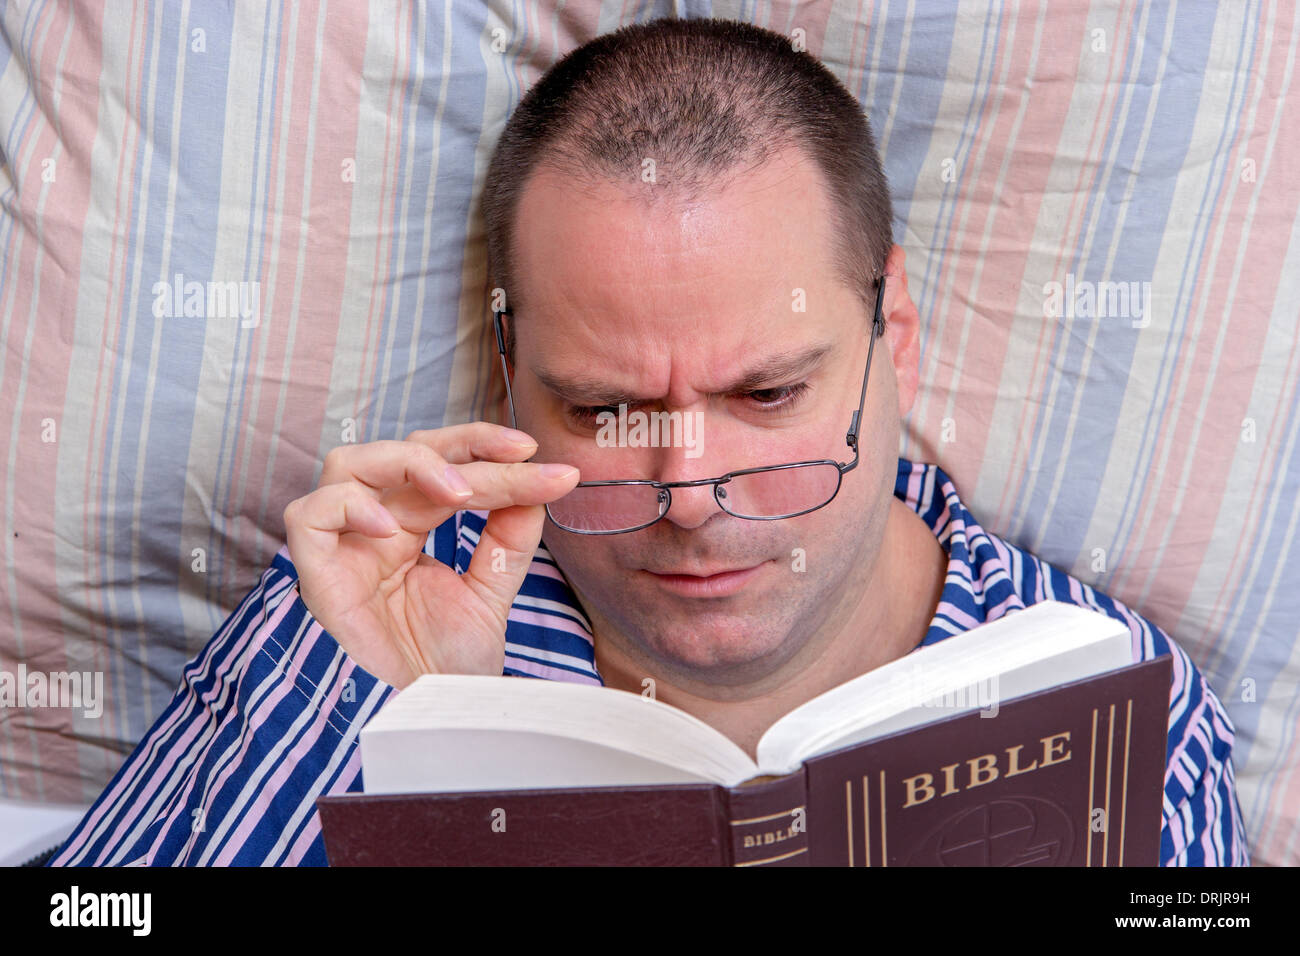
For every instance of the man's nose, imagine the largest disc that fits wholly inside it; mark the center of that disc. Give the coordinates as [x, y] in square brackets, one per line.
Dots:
[692, 505]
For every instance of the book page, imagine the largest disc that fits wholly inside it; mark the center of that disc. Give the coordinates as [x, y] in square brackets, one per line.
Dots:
[461, 732]
[1044, 645]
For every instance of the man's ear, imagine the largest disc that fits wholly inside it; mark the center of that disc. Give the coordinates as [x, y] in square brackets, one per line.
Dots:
[902, 329]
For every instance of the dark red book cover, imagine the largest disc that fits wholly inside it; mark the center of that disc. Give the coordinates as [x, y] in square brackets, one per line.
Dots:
[1070, 776]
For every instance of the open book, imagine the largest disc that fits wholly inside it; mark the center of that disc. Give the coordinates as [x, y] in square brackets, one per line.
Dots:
[997, 711]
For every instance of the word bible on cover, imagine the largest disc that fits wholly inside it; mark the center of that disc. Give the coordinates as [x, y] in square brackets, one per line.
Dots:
[1033, 740]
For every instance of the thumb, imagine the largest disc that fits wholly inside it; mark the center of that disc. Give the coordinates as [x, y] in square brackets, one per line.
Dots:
[503, 555]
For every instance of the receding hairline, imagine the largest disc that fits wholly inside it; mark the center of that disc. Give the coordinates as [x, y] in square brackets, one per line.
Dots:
[697, 186]
[716, 96]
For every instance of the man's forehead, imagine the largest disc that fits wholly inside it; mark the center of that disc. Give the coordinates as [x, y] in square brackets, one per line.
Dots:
[762, 231]
[628, 299]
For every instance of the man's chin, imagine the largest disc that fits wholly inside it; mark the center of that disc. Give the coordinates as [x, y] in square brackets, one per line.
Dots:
[737, 651]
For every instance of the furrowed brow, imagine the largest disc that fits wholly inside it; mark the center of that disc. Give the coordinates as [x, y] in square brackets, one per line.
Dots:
[778, 369]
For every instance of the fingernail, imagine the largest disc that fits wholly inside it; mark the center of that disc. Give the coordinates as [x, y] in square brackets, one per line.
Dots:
[456, 481]
[557, 471]
[518, 437]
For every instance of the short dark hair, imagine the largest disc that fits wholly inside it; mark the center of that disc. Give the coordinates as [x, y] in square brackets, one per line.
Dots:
[705, 97]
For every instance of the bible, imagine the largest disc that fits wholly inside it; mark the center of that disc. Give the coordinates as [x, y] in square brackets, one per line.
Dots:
[1032, 740]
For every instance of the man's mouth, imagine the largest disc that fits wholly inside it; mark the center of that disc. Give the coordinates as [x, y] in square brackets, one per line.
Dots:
[706, 582]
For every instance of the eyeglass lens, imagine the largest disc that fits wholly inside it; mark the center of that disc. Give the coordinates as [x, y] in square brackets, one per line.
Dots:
[764, 494]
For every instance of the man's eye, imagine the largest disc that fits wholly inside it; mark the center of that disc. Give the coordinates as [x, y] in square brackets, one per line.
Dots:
[779, 398]
[588, 414]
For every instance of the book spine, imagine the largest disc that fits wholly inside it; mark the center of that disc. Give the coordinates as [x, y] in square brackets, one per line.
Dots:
[768, 822]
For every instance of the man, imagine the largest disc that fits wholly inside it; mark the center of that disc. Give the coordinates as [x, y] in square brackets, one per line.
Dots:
[689, 218]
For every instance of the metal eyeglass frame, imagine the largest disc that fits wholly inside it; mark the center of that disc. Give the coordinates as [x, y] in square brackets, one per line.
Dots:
[664, 487]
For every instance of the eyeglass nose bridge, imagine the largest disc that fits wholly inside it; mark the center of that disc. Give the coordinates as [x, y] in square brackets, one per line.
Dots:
[665, 494]
[665, 498]
[663, 485]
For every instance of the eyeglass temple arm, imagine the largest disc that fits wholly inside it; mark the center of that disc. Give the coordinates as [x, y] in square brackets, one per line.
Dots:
[505, 372]
[877, 327]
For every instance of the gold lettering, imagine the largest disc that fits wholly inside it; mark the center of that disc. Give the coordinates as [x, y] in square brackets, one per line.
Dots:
[913, 790]
[949, 779]
[1013, 755]
[983, 769]
[1053, 745]
[768, 838]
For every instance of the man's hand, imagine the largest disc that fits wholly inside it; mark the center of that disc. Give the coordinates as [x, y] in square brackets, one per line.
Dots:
[357, 542]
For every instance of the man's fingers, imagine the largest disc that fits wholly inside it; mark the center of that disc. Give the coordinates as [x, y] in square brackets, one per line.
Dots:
[459, 444]
[313, 523]
[423, 459]
[524, 483]
[503, 554]
[497, 486]
[389, 464]
[494, 487]
[419, 496]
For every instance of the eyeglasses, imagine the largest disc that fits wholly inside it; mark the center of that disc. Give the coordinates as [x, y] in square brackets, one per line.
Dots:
[757, 494]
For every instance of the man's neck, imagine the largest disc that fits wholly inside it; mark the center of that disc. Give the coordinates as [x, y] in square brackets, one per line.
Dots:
[888, 621]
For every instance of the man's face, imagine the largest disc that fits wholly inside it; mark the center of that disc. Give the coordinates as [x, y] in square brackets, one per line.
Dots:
[667, 306]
